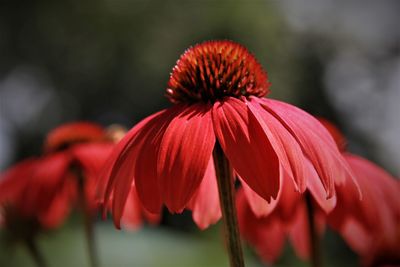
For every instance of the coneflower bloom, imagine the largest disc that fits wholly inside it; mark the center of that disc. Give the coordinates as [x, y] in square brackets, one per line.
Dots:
[370, 225]
[64, 177]
[34, 185]
[289, 220]
[16, 204]
[299, 217]
[217, 89]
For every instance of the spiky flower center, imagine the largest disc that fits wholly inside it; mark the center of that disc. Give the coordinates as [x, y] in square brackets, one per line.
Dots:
[216, 69]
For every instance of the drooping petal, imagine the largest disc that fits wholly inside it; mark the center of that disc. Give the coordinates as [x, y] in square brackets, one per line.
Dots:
[92, 156]
[380, 180]
[185, 151]
[289, 199]
[259, 206]
[247, 147]
[60, 206]
[138, 160]
[205, 204]
[286, 147]
[15, 179]
[107, 180]
[47, 180]
[299, 231]
[379, 208]
[266, 235]
[316, 142]
[272, 240]
[356, 236]
[317, 190]
[349, 206]
[132, 217]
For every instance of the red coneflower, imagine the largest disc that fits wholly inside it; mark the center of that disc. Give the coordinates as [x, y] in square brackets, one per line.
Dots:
[217, 89]
[46, 188]
[370, 225]
[267, 234]
[300, 217]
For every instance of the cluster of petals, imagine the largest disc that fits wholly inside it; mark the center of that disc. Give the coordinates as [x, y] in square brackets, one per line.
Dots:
[370, 225]
[267, 234]
[365, 212]
[167, 156]
[45, 188]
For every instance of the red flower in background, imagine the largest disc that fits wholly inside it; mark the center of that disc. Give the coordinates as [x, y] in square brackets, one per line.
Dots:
[266, 227]
[267, 234]
[370, 225]
[46, 188]
[218, 88]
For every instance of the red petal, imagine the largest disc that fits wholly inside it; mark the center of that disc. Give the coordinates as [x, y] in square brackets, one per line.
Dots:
[356, 236]
[299, 233]
[286, 147]
[185, 151]
[247, 147]
[49, 177]
[380, 180]
[259, 206]
[380, 204]
[108, 178]
[92, 156]
[316, 188]
[59, 208]
[132, 218]
[205, 204]
[289, 199]
[316, 142]
[272, 240]
[71, 133]
[138, 159]
[14, 180]
[266, 235]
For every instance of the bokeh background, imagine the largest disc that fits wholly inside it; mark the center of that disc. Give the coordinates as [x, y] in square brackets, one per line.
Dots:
[109, 61]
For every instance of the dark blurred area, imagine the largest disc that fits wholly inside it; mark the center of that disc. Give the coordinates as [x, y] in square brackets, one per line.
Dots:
[109, 61]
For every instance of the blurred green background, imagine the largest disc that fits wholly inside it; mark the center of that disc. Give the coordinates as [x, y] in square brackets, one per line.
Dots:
[109, 61]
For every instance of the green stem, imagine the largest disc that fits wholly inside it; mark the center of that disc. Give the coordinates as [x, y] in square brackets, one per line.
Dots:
[33, 249]
[87, 221]
[226, 196]
[314, 238]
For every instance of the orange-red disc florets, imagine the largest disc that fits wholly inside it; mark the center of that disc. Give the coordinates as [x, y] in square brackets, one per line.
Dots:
[72, 133]
[216, 69]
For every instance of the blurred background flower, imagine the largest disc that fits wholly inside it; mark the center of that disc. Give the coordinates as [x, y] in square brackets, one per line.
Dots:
[108, 61]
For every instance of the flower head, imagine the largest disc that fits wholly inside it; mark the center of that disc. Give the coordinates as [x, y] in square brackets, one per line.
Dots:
[213, 70]
[217, 89]
[369, 224]
[46, 188]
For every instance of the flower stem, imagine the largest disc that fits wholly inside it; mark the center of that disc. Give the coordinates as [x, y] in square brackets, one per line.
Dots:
[35, 252]
[226, 196]
[314, 239]
[87, 220]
